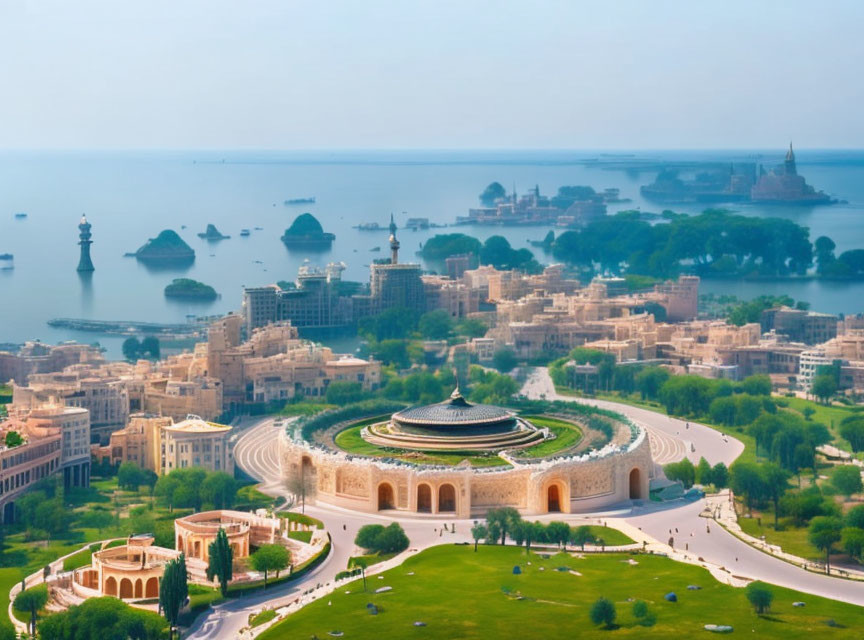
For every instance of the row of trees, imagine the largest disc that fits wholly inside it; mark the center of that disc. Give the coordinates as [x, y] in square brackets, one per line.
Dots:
[495, 251]
[196, 488]
[504, 522]
[715, 242]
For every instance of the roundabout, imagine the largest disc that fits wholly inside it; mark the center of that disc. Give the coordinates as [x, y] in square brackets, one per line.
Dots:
[462, 459]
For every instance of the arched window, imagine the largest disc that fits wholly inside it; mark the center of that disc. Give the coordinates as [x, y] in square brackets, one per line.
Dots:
[385, 497]
[424, 498]
[446, 498]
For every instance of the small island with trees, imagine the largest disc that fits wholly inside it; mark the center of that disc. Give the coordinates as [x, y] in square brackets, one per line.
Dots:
[212, 233]
[306, 232]
[166, 248]
[188, 289]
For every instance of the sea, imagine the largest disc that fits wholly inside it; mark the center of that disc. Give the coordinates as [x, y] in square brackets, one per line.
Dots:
[131, 196]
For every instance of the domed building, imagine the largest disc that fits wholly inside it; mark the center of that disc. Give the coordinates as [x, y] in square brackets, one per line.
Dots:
[492, 467]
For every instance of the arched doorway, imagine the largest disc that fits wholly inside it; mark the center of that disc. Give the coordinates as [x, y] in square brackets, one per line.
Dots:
[126, 588]
[635, 485]
[111, 586]
[139, 588]
[446, 498]
[385, 497]
[197, 552]
[424, 498]
[553, 499]
[152, 589]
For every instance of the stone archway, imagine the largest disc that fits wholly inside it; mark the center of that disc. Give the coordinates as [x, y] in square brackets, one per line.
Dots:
[424, 498]
[385, 496]
[446, 498]
[126, 589]
[635, 484]
[553, 498]
[152, 588]
[139, 588]
[111, 586]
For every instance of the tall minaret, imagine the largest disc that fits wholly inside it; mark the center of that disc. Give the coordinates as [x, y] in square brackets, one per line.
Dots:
[394, 243]
[85, 263]
[789, 163]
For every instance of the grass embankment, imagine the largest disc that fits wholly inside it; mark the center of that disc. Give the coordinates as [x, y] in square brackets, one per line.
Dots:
[260, 618]
[611, 537]
[461, 594]
[371, 559]
[567, 436]
[790, 538]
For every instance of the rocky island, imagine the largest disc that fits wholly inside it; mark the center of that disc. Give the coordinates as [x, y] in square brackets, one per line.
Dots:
[212, 233]
[188, 289]
[166, 248]
[306, 233]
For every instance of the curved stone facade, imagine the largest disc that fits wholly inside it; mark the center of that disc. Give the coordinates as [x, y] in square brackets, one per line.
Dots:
[194, 533]
[611, 475]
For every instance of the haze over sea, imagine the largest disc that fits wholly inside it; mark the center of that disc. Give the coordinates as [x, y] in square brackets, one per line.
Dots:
[129, 197]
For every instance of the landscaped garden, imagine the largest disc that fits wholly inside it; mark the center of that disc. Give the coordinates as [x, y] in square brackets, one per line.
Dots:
[458, 593]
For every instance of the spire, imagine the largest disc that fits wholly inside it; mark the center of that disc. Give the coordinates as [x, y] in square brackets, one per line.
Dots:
[790, 155]
[394, 243]
[85, 263]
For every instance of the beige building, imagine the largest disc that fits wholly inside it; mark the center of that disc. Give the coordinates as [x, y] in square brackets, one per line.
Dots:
[20, 467]
[196, 443]
[195, 533]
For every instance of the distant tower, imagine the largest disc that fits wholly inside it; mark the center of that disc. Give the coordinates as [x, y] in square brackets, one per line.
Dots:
[789, 163]
[85, 263]
[394, 243]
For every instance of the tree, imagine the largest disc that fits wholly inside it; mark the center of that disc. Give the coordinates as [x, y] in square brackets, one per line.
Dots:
[720, 475]
[367, 536]
[855, 516]
[852, 541]
[505, 360]
[478, 532]
[435, 325]
[376, 538]
[776, 483]
[643, 615]
[13, 439]
[31, 601]
[96, 518]
[506, 518]
[603, 612]
[150, 346]
[558, 532]
[301, 483]
[846, 479]
[682, 471]
[746, 478]
[221, 561]
[219, 489]
[173, 591]
[757, 385]
[471, 328]
[342, 392]
[650, 380]
[166, 488]
[492, 193]
[101, 618]
[130, 476]
[823, 387]
[582, 535]
[759, 596]
[361, 564]
[703, 472]
[853, 432]
[270, 557]
[131, 348]
[824, 532]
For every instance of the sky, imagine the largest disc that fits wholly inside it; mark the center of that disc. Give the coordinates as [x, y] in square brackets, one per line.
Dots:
[449, 74]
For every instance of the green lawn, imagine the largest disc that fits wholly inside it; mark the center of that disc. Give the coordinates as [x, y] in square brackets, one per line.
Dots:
[462, 594]
[293, 516]
[302, 536]
[612, 537]
[265, 616]
[567, 435]
[792, 539]
[372, 558]
[8, 579]
[829, 415]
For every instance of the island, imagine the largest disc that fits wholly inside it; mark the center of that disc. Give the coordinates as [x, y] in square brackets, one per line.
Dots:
[306, 232]
[166, 248]
[213, 233]
[188, 289]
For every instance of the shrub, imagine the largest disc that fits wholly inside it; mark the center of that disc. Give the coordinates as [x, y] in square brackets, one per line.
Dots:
[603, 612]
[759, 596]
[376, 538]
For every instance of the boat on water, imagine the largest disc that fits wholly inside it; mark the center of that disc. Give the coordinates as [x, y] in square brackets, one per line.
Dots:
[375, 249]
[6, 263]
[368, 226]
[293, 201]
[244, 233]
[20, 216]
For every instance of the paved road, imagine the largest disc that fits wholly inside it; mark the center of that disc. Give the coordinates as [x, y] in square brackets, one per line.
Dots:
[671, 439]
[719, 546]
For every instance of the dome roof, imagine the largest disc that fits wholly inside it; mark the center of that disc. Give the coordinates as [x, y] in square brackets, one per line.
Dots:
[455, 411]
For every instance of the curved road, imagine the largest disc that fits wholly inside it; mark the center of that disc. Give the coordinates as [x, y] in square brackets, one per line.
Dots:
[257, 453]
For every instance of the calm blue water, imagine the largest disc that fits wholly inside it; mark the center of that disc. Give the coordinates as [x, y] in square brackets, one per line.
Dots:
[130, 197]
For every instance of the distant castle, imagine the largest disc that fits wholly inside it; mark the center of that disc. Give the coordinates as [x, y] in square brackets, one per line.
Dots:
[783, 185]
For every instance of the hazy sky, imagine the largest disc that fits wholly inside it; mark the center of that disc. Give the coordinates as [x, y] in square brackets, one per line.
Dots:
[444, 74]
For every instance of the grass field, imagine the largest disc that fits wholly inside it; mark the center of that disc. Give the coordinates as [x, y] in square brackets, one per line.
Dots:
[8, 579]
[792, 539]
[462, 594]
[567, 435]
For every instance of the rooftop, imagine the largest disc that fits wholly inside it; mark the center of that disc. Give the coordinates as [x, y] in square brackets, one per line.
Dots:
[194, 424]
[455, 411]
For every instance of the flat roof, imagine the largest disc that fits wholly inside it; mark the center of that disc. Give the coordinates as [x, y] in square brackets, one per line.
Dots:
[197, 425]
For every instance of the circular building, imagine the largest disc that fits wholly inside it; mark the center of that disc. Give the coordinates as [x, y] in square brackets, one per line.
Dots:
[454, 425]
[493, 466]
